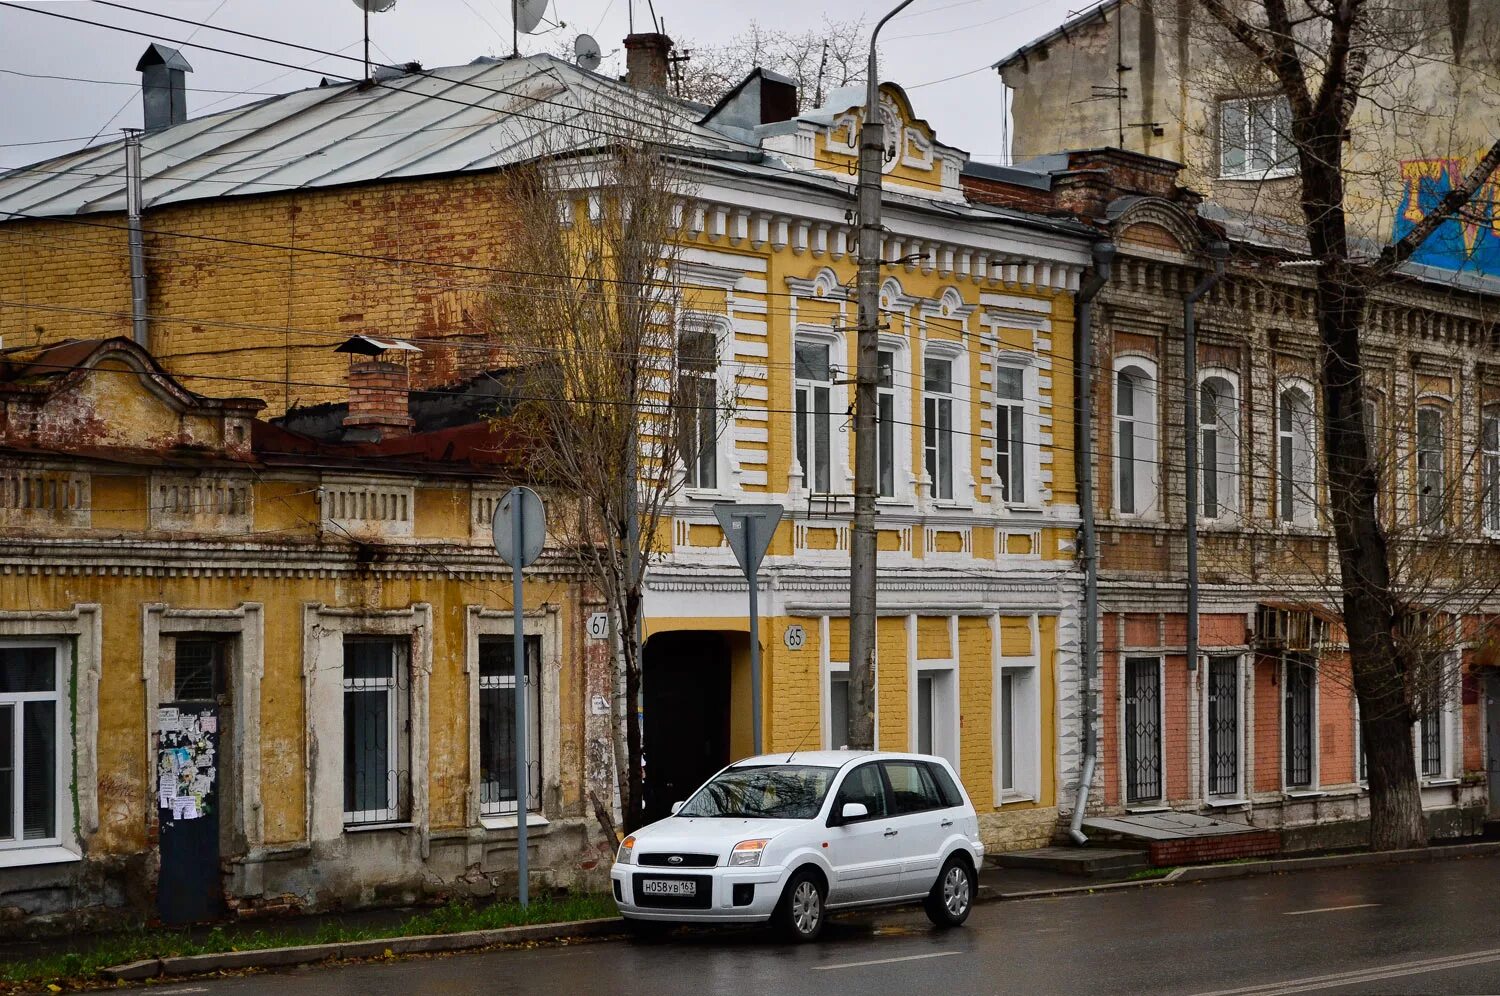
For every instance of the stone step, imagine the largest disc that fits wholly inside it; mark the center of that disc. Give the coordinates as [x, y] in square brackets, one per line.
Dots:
[1088, 862]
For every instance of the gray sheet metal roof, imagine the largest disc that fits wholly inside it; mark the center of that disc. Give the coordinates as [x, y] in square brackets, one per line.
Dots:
[458, 119]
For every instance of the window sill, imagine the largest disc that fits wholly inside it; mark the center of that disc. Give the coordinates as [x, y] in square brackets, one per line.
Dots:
[1215, 803]
[509, 821]
[703, 494]
[1304, 793]
[369, 827]
[1148, 808]
[44, 854]
[1010, 797]
[1285, 174]
[1433, 783]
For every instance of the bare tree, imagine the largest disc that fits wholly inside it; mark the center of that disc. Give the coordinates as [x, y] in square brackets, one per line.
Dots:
[818, 59]
[616, 392]
[1326, 57]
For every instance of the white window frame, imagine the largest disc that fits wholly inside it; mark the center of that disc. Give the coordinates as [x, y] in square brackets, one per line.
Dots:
[1489, 469]
[1225, 473]
[1024, 723]
[932, 402]
[720, 334]
[946, 737]
[837, 464]
[1025, 464]
[1313, 787]
[1299, 488]
[1431, 510]
[1145, 493]
[1206, 749]
[899, 391]
[501, 683]
[62, 761]
[1448, 725]
[398, 742]
[1280, 159]
[827, 670]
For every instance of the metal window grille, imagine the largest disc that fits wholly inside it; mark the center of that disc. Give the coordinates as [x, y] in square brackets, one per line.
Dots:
[1300, 677]
[29, 716]
[377, 730]
[1142, 729]
[497, 726]
[199, 673]
[1223, 725]
[1432, 737]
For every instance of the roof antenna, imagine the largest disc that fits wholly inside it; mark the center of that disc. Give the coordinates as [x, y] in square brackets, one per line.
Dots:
[801, 742]
[371, 7]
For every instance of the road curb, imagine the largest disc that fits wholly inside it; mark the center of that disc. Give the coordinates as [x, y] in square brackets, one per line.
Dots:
[1275, 866]
[307, 953]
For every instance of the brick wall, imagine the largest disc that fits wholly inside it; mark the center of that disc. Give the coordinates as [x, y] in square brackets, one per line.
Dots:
[1224, 847]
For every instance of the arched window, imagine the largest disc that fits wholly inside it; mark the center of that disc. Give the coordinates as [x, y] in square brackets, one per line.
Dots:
[1135, 439]
[1296, 478]
[1431, 484]
[1218, 447]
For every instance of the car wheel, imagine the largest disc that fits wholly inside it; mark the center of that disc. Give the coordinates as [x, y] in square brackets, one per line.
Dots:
[800, 914]
[952, 897]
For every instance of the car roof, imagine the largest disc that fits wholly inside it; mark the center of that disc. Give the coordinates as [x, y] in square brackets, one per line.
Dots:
[826, 758]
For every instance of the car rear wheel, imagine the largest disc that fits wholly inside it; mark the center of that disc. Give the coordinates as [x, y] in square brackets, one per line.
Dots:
[952, 896]
[800, 914]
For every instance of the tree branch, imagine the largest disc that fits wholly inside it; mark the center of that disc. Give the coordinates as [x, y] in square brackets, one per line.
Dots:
[1398, 252]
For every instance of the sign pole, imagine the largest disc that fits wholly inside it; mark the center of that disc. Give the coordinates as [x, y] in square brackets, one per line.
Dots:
[518, 657]
[754, 576]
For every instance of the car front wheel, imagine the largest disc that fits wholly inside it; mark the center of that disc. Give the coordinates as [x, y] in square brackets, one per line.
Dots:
[800, 914]
[952, 896]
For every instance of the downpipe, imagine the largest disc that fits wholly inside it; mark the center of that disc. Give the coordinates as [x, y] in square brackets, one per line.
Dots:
[1104, 254]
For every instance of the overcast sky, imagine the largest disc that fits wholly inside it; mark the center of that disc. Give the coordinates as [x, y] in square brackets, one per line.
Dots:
[933, 40]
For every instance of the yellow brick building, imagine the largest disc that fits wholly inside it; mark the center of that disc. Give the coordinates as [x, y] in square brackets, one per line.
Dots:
[275, 231]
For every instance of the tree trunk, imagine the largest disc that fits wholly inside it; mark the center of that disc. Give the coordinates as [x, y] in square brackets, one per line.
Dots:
[1364, 566]
[632, 796]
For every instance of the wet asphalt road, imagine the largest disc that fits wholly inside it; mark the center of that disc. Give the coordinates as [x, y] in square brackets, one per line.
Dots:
[1418, 928]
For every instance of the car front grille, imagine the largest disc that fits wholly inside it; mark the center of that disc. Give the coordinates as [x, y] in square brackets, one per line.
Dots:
[702, 900]
[664, 860]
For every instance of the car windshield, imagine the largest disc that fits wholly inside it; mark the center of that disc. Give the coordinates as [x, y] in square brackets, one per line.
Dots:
[778, 792]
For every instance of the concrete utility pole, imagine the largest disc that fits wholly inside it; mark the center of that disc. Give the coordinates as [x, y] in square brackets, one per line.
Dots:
[862, 548]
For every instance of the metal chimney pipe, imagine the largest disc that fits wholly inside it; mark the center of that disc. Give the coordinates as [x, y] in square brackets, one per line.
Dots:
[139, 328]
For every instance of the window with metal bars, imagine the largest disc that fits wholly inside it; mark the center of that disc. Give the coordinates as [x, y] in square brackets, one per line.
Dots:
[198, 669]
[1430, 730]
[497, 725]
[1223, 726]
[31, 711]
[377, 730]
[1143, 781]
[1298, 711]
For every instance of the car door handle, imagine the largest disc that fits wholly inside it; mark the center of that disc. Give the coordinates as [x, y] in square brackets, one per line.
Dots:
[891, 833]
[945, 824]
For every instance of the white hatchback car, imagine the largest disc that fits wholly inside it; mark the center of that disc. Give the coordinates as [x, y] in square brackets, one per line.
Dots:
[786, 838]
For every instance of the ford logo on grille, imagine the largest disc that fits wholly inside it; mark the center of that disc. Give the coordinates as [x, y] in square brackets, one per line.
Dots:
[675, 859]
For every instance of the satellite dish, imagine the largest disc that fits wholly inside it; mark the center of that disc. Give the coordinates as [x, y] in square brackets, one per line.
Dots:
[375, 6]
[586, 54]
[527, 14]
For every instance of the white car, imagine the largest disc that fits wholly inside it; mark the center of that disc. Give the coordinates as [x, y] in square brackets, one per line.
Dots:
[786, 838]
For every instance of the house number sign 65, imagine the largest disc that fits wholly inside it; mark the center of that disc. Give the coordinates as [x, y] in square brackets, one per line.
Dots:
[794, 637]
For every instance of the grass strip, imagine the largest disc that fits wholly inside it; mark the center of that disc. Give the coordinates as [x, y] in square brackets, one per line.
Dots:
[455, 917]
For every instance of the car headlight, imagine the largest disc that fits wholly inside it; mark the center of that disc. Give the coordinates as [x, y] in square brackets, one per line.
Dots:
[748, 852]
[626, 847]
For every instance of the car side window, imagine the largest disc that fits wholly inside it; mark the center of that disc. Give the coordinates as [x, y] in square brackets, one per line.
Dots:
[912, 789]
[947, 791]
[863, 785]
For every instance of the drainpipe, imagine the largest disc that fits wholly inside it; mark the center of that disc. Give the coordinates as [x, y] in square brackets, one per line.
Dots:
[1104, 254]
[138, 329]
[1217, 251]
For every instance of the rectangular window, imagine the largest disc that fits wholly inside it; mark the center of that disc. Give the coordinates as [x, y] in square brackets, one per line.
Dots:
[1255, 138]
[1142, 729]
[1008, 731]
[1430, 726]
[1431, 500]
[886, 431]
[1298, 710]
[1296, 477]
[1125, 448]
[937, 425]
[838, 706]
[814, 396]
[937, 713]
[698, 401]
[30, 716]
[1490, 469]
[377, 730]
[497, 725]
[1223, 726]
[199, 666]
[1010, 433]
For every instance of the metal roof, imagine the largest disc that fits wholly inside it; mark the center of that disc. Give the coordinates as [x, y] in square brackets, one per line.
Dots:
[482, 116]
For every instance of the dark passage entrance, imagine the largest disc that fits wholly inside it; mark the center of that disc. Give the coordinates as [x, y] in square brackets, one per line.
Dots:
[685, 727]
[189, 769]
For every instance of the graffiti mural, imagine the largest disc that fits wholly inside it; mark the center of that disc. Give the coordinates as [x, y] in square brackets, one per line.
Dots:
[1470, 242]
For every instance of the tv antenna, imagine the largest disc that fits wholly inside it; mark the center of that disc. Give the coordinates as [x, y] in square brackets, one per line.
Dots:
[525, 15]
[586, 54]
[371, 7]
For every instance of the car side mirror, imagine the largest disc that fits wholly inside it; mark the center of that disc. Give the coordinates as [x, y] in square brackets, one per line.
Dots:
[853, 811]
[675, 807]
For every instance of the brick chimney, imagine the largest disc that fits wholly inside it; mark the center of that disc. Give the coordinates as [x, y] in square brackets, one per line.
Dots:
[378, 391]
[647, 56]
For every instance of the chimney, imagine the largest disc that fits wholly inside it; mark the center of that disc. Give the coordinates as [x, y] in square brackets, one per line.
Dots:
[646, 59]
[163, 86]
[379, 388]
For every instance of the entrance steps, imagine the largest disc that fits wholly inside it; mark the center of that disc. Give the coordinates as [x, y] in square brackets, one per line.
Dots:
[1171, 838]
[1086, 862]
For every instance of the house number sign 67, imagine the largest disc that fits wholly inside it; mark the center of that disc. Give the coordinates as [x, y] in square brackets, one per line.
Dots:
[598, 625]
[794, 637]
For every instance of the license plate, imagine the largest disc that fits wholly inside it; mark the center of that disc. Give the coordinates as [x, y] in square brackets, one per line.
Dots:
[668, 887]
